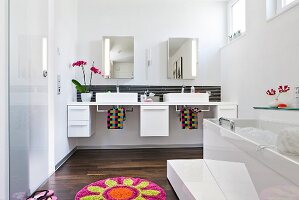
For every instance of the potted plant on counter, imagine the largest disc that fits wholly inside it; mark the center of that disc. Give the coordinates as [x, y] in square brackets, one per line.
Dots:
[86, 94]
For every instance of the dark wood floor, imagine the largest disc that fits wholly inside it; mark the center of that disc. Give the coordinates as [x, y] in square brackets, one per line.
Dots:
[87, 166]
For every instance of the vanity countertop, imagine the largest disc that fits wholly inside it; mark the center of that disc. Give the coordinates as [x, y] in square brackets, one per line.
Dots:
[152, 104]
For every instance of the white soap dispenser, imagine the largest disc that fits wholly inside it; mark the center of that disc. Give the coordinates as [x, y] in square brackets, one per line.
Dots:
[192, 89]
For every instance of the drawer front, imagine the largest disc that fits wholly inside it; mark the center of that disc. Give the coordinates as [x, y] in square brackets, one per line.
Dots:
[154, 121]
[78, 113]
[228, 111]
[79, 129]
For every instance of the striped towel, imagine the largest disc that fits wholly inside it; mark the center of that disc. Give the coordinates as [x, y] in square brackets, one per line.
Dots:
[189, 118]
[116, 118]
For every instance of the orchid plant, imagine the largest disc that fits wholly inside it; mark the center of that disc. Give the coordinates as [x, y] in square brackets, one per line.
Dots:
[281, 89]
[93, 70]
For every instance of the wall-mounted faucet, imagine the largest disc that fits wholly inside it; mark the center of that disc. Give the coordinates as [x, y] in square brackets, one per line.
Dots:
[183, 88]
[117, 87]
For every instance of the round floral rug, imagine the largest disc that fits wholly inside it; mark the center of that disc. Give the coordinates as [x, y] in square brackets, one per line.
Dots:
[122, 188]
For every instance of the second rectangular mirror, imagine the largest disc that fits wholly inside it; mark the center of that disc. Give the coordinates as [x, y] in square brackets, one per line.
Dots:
[182, 58]
[118, 57]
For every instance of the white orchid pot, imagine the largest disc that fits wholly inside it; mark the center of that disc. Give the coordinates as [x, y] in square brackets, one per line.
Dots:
[86, 97]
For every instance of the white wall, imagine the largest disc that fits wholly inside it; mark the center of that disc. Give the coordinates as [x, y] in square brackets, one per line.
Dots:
[3, 105]
[264, 58]
[65, 53]
[152, 22]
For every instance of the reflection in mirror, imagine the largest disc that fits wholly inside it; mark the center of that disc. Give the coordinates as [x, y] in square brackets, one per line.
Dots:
[182, 58]
[118, 57]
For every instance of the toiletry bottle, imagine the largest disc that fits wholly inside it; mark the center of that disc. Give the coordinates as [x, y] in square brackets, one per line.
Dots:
[192, 89]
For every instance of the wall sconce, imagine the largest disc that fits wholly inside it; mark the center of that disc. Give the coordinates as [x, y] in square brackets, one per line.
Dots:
[107, 57]
[194, 58]
[45, 56]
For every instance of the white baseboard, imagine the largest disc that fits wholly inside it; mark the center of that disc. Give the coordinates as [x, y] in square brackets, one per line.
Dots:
[60, 163]
[142, 146]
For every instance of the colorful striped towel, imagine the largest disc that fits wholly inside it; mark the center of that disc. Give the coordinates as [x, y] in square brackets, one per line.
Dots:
[116, 118]
[189, 118]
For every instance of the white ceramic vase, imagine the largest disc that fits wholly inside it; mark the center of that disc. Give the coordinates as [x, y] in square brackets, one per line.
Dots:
[274, 103]
[86, 97]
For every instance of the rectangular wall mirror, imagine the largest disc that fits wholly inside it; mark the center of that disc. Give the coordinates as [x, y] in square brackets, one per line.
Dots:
[118, 57]
[182, 58]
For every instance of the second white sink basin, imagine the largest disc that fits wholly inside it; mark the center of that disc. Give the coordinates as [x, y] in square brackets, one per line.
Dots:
[117, 97]
[187, 97]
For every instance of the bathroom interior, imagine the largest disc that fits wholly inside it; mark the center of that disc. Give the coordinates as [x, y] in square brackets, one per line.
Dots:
[149, 99]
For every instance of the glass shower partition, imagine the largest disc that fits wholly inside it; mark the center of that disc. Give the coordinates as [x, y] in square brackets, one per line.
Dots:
[28, 93]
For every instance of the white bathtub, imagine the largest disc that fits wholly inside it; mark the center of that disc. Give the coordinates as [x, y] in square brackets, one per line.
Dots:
[274, 175]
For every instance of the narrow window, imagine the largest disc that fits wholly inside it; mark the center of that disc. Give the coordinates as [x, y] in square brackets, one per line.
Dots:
[237, 18]
[277, 7]
[287, 2]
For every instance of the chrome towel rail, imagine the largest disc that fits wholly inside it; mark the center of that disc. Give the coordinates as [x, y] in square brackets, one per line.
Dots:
[104, 111]
[177, 109]
[231, 123]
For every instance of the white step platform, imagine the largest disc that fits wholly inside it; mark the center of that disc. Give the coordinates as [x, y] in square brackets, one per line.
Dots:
[210, 180]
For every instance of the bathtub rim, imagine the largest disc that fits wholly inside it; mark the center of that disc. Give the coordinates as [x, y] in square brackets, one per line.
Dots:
[287, 157]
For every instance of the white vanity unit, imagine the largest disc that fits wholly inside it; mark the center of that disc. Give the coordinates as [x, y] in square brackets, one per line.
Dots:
[153, 118]
[227, 111]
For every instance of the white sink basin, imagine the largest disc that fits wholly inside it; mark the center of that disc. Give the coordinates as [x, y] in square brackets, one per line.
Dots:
[187, 97]
[117, 97]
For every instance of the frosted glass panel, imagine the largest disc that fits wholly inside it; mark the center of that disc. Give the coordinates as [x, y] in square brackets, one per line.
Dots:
[28, 96]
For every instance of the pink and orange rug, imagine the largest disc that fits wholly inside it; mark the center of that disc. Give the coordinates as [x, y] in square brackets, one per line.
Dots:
[122, 188]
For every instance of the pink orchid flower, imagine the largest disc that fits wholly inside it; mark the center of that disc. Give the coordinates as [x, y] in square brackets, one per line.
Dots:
[79, 63]
[283, 89]
[94, 70]
[271, 92]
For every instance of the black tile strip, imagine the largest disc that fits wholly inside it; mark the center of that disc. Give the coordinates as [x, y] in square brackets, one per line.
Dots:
[158, 90]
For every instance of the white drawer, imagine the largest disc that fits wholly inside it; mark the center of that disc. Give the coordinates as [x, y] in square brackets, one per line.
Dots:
[78, 113]
[154, 121]
[79, 129]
